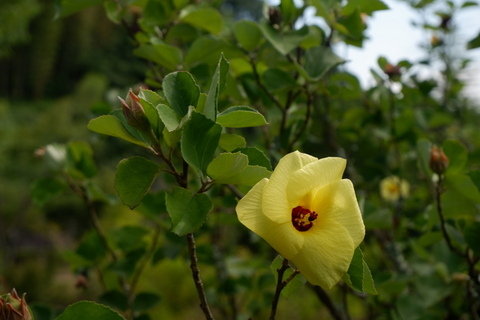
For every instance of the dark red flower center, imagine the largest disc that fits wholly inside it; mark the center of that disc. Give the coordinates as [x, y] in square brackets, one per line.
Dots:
[302, 219]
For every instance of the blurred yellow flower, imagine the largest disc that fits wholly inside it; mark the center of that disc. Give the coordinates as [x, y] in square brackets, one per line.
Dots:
[309, 214]
[393, 188]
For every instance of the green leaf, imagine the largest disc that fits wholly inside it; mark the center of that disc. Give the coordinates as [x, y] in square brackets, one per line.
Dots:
[358, 276]
[472, 236]
[313, 39]
[467, 4]
[89, 310]
[474, 43]
[127, 263]
[133, 179]
[364, 6]
[68, 7]
[153, 117]
[181, 91]
[248, 34]
[227, 165]
[161, 53]
[457, 155]
[289, 11]
[283, 42]
[112, 126]
[200, 139]
[248, 176]
[241, 117]
[216, 87]
[188, 211]
[294, 285]
[144, 301]
[170, 119]
[463, 185]
[91, 248]
[278, 79]
[114, 299]
[318, 61]
[112, 12]
[423, 149]
[208, 19]
[230, 142]
[203, 49]
[256, 157]
[80, 163]
[43, 190]
[129, 237]
[150, 96]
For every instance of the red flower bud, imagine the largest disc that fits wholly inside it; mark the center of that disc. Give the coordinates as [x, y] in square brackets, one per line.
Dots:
[438, 160]
[12, 307]
[134, 113]
[393, 72]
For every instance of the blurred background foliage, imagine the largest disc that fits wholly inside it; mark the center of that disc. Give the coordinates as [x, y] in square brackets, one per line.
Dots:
[61, 68]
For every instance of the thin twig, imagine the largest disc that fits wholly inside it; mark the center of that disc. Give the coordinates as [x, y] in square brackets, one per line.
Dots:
[146, 257]
[196, 277]
[279, 288]
[264, 89]
[438, 192]
[325, 298]
[306, 121]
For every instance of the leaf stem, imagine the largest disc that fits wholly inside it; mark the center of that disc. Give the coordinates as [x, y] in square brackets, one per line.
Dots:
[196, 277]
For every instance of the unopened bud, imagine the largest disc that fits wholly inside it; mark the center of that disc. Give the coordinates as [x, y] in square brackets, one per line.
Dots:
[438, 160]
[134, 113]
[12, 307]
[274, 16]
[435, 41]
[393, 72]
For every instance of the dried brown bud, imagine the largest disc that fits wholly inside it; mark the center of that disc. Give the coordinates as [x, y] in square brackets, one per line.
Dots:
[12, 307]
[393, 72]
[438, 160]
[445, 24]
[134, 113]
[274, 16]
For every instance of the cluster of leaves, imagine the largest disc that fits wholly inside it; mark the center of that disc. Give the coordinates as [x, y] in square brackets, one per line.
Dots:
[212, 88]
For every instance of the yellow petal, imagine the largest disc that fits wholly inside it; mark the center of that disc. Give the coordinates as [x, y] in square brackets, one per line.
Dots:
[313, 176]
[283, 237]
[337, 203]
[275, 203]
[326, 256]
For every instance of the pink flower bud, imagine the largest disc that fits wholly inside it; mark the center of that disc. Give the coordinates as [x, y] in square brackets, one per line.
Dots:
[12, 307]
[134, 113]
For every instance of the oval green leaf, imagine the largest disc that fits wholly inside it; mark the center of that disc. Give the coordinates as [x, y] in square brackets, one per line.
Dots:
[111, 126]
[227, 165]
[181, 91]
[200, 139]
[188, 211]
[241, 117]
[89, 310]
[133, 179]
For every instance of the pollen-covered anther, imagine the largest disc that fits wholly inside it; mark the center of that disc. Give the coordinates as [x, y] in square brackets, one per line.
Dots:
[302, 219]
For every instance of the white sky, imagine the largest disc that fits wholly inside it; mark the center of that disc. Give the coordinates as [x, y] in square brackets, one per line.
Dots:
[392, 35]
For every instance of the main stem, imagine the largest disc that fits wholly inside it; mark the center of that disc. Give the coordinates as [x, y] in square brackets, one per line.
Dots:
[196, 277]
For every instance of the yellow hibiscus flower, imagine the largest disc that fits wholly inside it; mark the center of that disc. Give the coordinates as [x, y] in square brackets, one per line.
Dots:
[308, 214]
